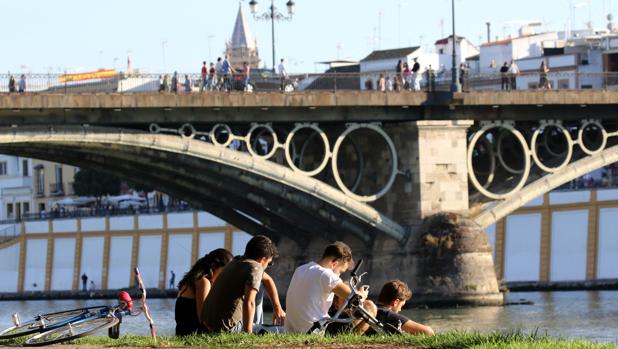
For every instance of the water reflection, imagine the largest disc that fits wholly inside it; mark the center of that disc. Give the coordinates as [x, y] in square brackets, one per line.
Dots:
[588, 315]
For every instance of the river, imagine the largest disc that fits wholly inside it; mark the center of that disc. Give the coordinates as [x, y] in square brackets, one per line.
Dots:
[584, 315]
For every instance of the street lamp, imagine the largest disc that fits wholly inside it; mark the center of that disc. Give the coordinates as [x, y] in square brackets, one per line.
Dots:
[272, 14]
[455, 85]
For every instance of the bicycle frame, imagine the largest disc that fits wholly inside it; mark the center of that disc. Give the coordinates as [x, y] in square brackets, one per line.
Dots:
[43, 325]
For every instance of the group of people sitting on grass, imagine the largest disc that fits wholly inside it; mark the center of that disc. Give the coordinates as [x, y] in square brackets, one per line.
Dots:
[222, 293]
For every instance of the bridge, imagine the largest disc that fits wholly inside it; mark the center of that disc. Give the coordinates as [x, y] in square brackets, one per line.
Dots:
[370, 168]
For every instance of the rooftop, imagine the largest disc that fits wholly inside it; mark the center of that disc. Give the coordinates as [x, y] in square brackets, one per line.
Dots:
[390, 54]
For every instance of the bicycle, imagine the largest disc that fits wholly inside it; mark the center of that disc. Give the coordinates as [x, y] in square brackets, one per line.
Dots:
[353, 306]
[72, 324]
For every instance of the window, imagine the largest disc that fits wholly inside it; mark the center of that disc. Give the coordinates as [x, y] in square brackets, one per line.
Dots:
[26, 207]
[3, 168]
[9, 210]
[39, 181]
[24, 167]
[563, 84]
[41, 207]
[59, 174]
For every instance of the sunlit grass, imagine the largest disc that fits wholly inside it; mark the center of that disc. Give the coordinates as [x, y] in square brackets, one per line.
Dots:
[448, 340]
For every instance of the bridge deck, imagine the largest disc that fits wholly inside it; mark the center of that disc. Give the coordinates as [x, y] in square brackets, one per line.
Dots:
[320, 106]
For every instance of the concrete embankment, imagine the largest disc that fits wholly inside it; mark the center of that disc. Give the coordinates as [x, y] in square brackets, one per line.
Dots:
[535, 286]
[97, 294]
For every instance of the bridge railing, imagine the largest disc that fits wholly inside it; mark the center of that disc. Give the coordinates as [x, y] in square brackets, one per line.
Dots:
[8, 232]
[269, 82]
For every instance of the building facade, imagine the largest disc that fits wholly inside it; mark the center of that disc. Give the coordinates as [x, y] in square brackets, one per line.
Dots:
[51, 182]
[15, 186]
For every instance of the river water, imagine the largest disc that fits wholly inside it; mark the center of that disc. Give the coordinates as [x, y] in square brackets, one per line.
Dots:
[584, 315]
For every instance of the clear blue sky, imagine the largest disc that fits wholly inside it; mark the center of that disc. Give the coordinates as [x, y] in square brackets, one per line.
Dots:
[54, 35]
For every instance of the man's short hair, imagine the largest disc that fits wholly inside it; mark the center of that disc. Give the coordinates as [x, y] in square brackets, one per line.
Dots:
[338, 251]
[393, 290]
[260, 247]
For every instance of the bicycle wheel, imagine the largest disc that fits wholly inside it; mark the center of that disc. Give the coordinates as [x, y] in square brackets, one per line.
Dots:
[72, 331]
[44, 322]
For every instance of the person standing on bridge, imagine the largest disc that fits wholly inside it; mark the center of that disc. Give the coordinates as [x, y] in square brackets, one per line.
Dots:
[22, 83]
[227, 74]
[283, 73]
[416, 75]
[187, 84]
[543, 81]
[513, 72]
[175, 82]
[11, 84]
[212, 77]
[504, 76]
[204, 84]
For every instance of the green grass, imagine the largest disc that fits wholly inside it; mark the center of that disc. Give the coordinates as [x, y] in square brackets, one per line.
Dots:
[449, 340]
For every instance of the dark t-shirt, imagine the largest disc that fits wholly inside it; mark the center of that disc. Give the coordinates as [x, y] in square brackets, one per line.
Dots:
[391, 320]
[416, 67]
[504, 69]
[222, 309]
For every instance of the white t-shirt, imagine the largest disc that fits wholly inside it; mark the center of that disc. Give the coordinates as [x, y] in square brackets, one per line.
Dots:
[309, 296]
[282, 71]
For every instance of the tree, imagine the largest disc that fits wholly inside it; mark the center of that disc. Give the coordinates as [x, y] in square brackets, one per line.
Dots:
[88, 182]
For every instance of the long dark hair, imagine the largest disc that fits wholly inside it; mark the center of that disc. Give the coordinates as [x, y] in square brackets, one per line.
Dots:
[205, 267]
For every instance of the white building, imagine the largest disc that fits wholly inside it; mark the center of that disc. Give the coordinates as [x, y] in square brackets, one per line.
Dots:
[385, 62]
[15, 186]
[586, 60]
[494, 54]
[464, 49]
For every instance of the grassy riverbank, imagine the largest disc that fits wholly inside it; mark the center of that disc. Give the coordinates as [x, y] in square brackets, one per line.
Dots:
[450, 340]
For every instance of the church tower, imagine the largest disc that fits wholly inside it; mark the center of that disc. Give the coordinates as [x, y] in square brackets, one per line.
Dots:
[242, 47]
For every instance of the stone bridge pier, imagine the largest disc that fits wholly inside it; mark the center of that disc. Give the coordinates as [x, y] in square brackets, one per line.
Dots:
[446, 258]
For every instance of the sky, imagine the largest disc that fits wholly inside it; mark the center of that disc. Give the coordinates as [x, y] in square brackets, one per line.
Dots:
[41, 36]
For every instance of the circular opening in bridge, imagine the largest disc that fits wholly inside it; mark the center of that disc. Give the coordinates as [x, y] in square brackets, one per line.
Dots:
[484, 162]
[221, 135]
[307, 149]
[498, 161]
[510, 152]
[186, 131]
[154, 128]
[262, 141]
[364, 162]
[551, 147]
[592, 137]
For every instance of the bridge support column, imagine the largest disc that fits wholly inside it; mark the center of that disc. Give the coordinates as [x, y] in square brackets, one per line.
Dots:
[447, 259]
[433, 154]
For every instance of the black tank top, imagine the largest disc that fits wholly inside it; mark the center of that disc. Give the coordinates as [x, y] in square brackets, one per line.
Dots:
[186, 317]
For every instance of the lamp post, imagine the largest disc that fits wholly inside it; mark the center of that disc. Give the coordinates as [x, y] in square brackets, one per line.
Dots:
[455, 85]
[272, 14]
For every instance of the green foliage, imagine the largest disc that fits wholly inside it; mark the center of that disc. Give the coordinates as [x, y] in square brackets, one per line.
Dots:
[448, 340]
[89, 182]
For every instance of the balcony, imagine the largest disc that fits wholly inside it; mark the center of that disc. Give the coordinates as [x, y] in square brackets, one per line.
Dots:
[56, 189]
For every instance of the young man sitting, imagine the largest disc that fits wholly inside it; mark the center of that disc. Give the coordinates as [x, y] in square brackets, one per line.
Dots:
[393, 297]
[230, 305]
[314, 285]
